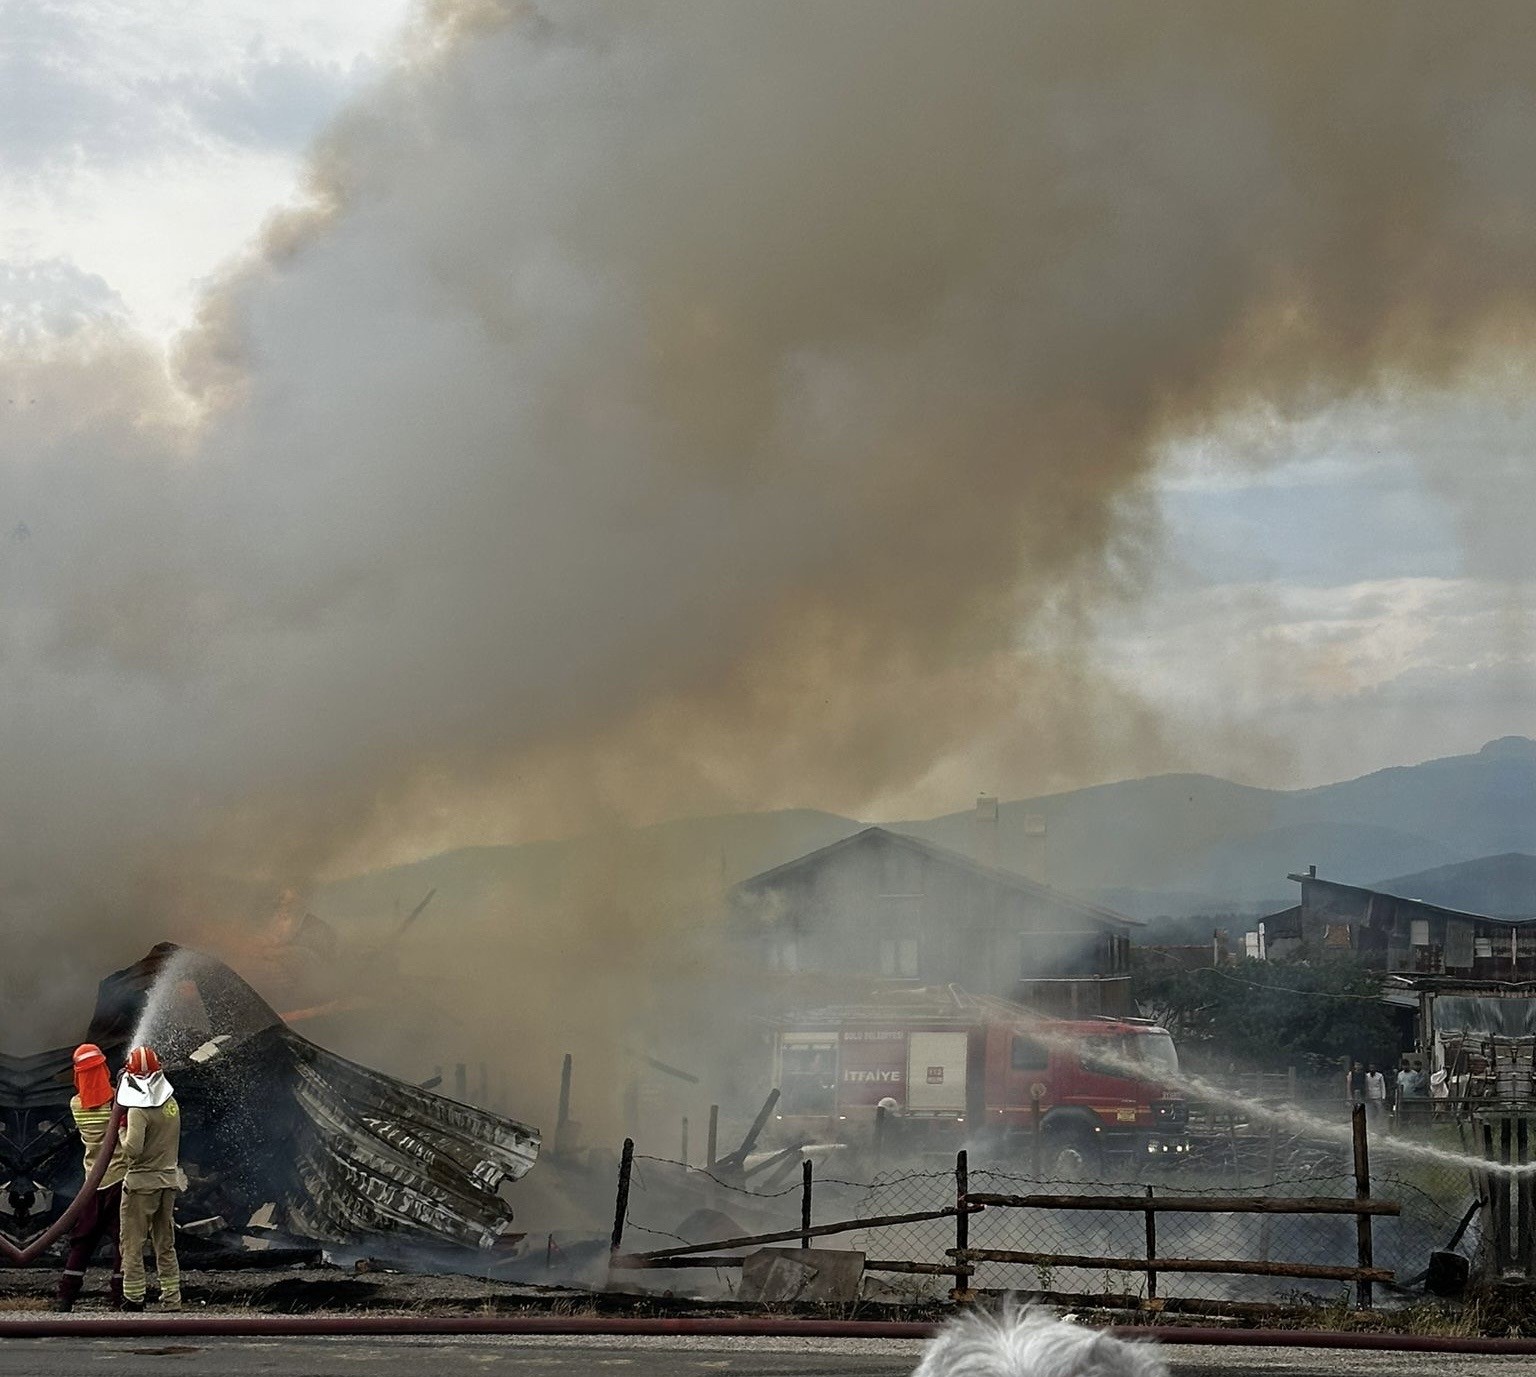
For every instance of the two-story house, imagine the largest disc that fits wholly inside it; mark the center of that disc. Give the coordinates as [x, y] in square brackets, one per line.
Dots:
[881, 904]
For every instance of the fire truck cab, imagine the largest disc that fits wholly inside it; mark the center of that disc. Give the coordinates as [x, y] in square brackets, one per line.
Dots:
[949, 1066]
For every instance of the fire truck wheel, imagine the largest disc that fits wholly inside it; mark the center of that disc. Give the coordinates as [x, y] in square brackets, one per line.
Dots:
[1070, 1156]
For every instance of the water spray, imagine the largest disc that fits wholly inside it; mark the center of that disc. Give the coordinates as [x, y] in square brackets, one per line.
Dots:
[1289, 1115]
[158, 999]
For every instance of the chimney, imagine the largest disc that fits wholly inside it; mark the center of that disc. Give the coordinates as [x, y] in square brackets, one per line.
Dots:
[986, 846]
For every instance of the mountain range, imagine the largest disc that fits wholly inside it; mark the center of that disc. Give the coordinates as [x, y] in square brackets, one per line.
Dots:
[1175, 844]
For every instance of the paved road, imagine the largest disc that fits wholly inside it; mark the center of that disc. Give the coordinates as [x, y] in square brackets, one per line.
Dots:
[627, 1357]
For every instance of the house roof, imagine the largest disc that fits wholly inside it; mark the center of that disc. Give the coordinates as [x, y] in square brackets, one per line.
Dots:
[1439, 910]
[1503, 885]
[1007, 879]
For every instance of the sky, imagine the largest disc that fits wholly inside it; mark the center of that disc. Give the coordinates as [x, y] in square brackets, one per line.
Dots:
[1326, 593]
[143, 142]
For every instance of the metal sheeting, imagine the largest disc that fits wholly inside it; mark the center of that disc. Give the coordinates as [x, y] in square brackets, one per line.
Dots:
[1458, 944]
[372, 1158]
[1485, 1015]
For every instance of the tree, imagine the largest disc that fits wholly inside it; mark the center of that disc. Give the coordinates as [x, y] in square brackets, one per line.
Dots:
[1269, 1015]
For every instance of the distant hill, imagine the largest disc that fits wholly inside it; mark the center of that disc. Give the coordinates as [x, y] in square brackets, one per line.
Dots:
[715, 852]
[1170, 844]
[1504, 886]
[1193, 843]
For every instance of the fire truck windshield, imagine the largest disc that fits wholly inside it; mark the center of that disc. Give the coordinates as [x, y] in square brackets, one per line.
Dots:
[1157, 1050]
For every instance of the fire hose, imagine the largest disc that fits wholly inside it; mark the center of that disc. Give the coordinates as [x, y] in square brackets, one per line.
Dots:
[23, 1255]
[362, 1326]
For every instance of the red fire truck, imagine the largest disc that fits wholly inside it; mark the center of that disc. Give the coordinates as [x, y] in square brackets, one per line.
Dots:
[946, 1065]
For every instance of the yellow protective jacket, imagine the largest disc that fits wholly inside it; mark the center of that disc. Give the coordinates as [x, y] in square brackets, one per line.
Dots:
[152, 1147]
[92, 1124]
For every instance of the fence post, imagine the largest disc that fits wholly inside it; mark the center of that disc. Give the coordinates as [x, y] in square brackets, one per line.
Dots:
[805, 1203]
[1151, 1249]
[621, 1205]
[1034, 1151]
[1271, 1165]
[962, 1292]
[712, 1143]
[684, 1153]
[1506, 1189]
[1362, 1192]
[879, 1132]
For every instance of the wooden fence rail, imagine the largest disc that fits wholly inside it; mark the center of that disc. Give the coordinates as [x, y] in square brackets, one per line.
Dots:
[1233, 1266]
[1191, 1204]
[846, 1226]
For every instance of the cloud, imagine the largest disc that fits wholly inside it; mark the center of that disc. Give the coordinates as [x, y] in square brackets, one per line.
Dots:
[146, 143]
[93, 83]
[1326, 682]
[43, 303]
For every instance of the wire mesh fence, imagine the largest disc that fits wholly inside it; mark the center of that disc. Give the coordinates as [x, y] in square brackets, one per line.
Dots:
[1088, 1251]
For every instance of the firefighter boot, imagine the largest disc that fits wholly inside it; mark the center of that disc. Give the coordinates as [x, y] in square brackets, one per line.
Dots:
[70, 1286]
[116, 1288]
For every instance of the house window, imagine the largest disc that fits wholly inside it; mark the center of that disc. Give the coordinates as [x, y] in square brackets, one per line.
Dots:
[783, 954]
[1418, 932]
[1482, 948]
[898, 956]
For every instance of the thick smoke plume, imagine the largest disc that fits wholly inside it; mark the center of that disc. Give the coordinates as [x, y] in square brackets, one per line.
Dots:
[660, 406]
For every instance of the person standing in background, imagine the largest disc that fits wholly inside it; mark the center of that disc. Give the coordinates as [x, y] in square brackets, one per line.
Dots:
[1375, 1093]
[1354, 1083]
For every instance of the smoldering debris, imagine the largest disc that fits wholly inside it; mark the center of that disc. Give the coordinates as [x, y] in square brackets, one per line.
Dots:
[282, 1139]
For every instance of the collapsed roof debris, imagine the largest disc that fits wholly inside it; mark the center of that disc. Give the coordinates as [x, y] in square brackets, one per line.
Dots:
[339, 1152]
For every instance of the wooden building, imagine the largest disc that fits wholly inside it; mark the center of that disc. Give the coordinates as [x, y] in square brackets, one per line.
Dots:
[1403, 936]
[881, 904]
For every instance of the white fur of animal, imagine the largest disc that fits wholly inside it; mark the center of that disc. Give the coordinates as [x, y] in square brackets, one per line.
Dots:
[1032, 1343]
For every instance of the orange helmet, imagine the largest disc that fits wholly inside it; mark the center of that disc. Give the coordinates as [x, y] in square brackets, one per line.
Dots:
[142, 1061]
[93, 1083]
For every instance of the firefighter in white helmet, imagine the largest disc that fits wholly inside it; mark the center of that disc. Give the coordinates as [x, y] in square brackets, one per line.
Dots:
[151, 1150]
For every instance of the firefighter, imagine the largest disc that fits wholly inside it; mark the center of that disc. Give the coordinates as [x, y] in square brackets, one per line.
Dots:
[151, 1151]
[91, 1108]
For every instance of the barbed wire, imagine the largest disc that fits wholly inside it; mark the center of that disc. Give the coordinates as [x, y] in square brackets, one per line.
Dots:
[660, 1233]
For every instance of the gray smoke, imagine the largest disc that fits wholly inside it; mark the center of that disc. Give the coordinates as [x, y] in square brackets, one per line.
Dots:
[667, 406]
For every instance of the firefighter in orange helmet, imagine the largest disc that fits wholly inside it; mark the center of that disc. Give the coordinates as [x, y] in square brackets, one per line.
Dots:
[91, 1108]
[151, 1153]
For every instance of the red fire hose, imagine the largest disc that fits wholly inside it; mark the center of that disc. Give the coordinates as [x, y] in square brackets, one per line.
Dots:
[36, 1247]
[296, 1326]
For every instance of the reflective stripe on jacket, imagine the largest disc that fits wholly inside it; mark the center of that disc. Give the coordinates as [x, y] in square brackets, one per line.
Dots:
[92, 1124]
